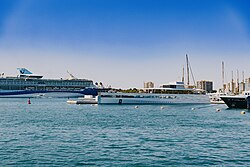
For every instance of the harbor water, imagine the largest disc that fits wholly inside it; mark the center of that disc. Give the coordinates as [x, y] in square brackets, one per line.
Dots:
[50, 132]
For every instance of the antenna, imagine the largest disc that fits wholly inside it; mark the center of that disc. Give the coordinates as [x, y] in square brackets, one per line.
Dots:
[71, 76]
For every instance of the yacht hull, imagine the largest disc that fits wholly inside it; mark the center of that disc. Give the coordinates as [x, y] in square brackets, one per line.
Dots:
[235, 101]
[153, 99]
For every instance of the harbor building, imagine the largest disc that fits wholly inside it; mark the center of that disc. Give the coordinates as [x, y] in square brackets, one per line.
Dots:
[205, 85]
[148, 84]
[237, 88]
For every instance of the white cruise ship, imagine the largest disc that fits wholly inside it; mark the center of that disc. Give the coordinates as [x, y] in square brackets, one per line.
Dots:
[27, 84]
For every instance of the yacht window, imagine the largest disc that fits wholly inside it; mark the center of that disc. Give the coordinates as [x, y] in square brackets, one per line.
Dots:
[172, 86]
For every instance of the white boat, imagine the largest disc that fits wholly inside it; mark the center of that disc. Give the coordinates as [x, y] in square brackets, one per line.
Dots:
[87, 99]
[173, 93]
[150, 98]
[215, 98]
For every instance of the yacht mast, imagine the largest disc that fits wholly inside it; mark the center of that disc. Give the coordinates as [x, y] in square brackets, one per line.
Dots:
[191, 73]
[238, 83]
[182, 74]
[232, 82]
[223, 76]
[187, 70]
[243, 82]
[243, 79]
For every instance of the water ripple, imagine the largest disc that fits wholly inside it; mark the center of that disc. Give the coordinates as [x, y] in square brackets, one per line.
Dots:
[53, 133]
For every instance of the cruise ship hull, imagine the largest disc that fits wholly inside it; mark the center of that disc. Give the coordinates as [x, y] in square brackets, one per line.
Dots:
[46, 93]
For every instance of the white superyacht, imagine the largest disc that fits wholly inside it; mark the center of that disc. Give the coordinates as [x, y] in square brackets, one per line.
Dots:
[173, 93]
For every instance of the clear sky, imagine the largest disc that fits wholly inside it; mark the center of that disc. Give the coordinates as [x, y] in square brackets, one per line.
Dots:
[124, 43]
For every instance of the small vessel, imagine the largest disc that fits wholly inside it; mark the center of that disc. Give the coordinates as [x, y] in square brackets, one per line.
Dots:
[87, 99]
[238, 101]
[215, 98]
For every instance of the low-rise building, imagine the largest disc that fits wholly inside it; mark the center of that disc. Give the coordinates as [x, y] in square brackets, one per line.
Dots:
[205, 85]
[148, 84]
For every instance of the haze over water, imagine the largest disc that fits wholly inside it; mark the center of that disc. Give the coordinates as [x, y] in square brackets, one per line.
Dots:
[50, 132]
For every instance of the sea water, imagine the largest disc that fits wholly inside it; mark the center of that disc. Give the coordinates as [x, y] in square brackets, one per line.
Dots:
[50, 132]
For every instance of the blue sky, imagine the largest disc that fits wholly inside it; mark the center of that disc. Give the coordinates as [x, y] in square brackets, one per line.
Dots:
[125, 42]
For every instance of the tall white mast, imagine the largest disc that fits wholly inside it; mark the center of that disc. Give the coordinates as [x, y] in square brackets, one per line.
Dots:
[182, 74]
[187, 70]
[232, 82]
[243, 80]
[223, 75]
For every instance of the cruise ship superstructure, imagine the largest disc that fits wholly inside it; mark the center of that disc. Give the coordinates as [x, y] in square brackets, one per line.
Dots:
[27, 84]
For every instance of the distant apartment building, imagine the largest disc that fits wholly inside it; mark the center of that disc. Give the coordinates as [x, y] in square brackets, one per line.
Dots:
[205, 85]
[236, 87]
[148, 84]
